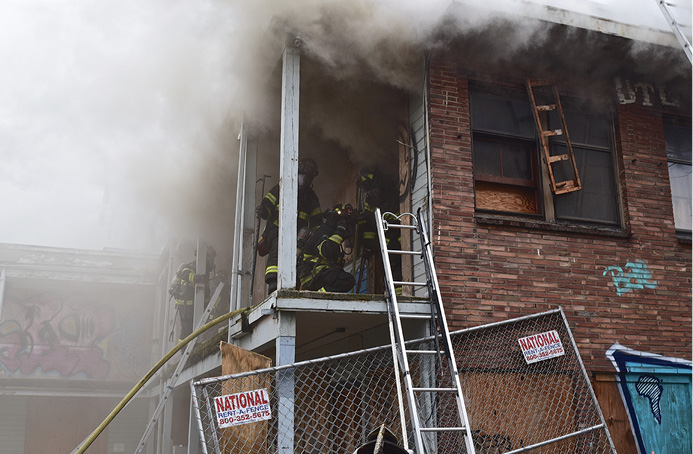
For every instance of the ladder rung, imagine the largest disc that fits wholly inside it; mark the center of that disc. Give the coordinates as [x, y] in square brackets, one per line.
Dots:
[402, 226]
[567, 186]
[538, 82]
[426, 352]
[415, 316]
[546, 108]
[401, 252]
[409, 283]
[553, 132]
[434, 390]
[442, 429]
[561, 157]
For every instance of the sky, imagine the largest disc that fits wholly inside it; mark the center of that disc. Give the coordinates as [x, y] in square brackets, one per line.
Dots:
[114, 115]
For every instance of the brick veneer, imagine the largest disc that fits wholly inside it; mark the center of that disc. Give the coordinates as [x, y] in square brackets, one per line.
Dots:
[492, 272]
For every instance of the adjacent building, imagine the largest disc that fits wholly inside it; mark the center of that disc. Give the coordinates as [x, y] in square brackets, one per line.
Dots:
[78, 328]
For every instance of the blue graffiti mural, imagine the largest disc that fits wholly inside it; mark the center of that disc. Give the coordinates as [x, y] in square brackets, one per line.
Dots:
[636, 277]
[656, 392]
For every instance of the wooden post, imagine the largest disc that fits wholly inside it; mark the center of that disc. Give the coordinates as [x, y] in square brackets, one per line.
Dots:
[288, 168]
[243, 237]
[286, 354]
[200, 269]
[249, 204]
[236, 260]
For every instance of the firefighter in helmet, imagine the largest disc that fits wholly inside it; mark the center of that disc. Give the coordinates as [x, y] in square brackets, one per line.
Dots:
[322, 268]
[309, 215]
[183, 290]
[378, 191]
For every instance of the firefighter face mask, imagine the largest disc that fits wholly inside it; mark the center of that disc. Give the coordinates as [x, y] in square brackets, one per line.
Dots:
[304, 181]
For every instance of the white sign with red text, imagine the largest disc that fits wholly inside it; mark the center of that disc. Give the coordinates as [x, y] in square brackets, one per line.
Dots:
[242, 408]
[542, 346]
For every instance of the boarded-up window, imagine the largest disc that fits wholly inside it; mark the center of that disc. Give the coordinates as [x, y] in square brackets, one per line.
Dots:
[505, 155]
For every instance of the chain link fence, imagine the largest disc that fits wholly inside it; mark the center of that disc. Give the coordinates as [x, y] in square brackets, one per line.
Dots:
[523, 393]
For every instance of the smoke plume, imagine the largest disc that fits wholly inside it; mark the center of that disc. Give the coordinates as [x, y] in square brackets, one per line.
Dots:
[120, 121]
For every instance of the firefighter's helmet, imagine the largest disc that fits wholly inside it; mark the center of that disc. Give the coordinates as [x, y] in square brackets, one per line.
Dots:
[367, 178]
[210, 258]
[308, 167]
[344, 209]
[381, 440]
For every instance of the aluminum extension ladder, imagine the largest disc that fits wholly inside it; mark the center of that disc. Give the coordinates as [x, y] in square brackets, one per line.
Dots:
[665, 6]
[440, 333]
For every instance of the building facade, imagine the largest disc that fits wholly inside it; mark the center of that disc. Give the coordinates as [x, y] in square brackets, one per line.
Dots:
[616, 255]
[75, 335]
[508, 241]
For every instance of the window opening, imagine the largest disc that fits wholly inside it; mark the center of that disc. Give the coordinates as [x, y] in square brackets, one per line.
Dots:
[597, 201]
[505, 158]
[506, 148]
[678, 145]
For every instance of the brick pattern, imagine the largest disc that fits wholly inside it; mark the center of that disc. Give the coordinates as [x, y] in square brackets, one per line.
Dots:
[490, 272]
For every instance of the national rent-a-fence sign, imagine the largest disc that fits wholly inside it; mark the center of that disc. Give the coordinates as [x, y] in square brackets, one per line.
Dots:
[542, 346]
[242, 408]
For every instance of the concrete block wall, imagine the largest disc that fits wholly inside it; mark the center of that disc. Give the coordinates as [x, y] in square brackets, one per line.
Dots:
[494, 271]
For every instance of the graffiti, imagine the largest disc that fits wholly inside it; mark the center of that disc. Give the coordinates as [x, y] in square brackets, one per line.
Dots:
[486, 442]
[39, 336]
[127, 352]
[627, 93]
[656, 393]
[636, 277]
[649, 386]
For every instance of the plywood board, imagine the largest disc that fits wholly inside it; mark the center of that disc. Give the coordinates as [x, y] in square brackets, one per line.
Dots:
[498, 197]
[250, 437]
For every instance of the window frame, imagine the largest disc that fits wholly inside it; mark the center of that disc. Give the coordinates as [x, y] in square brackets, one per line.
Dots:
[609, 148]
[684, 124]
[545, 198]
[533, 186]
[534, 182]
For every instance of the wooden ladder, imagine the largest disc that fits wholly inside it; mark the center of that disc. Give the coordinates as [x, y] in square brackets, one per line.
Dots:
[541, 120]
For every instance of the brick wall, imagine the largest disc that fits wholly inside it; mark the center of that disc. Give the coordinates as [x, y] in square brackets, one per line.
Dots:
[490, 272]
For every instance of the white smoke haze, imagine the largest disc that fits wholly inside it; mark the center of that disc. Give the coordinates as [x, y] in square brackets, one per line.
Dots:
[118, 120]
[108, 101]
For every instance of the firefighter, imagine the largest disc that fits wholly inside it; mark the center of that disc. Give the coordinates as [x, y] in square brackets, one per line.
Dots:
[322, 268]
[183, 291]
[379, 192]
[309, 216]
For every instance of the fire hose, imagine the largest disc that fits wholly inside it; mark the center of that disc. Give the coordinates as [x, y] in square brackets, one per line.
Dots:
[86, 443]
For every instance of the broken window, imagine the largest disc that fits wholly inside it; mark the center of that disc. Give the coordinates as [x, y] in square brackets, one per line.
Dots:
[505, 155]
[677, 134]
[508, 174]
